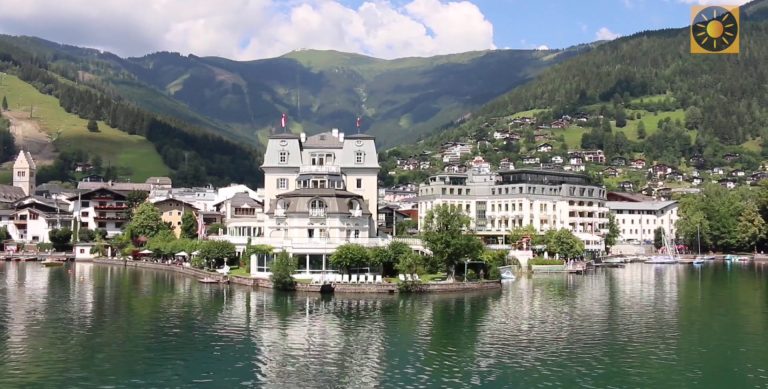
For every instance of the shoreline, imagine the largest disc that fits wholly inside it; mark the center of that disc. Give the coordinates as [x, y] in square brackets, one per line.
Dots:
[388, 288]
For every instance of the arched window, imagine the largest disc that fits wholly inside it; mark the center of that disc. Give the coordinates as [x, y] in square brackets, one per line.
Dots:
[316, 208]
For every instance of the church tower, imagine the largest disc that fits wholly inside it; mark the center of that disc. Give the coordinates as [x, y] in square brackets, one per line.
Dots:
[24, 170]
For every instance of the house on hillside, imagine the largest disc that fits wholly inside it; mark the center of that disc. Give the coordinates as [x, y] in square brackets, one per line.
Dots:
[530, 160]
[626, 186]
[727, 183]
[638, 164]
[610, 172]
[731, 157]
[618, 161]
[556, 159]
[544, 148]
[737, 173]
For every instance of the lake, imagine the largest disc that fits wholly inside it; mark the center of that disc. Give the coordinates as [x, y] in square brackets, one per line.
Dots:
[86, 325]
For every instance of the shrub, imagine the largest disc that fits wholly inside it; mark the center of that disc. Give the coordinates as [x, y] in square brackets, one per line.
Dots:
[471, 275]
[493, 273]
[282, 272]
[542, 261]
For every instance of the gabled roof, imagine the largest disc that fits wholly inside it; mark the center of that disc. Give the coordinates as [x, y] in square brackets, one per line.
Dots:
[25, 160]
[87, 194]
[241, 199]
[9, 193]
[323, 140]
[169, 199]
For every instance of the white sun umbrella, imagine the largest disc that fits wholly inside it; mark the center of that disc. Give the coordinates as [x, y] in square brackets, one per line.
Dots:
[182, 254]
[146, 251]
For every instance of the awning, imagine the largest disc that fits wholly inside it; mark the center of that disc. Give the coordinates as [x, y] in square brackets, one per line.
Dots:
[146, 252]
[182, 254]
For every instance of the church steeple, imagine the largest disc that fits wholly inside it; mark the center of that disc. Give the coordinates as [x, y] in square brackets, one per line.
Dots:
[24, 172]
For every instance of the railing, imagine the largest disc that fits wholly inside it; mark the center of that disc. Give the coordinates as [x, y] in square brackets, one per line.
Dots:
[317, 212]
[118, 218]
[319, 169]
[111, 207]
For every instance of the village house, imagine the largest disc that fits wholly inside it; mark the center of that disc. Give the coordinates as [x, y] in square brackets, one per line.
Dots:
[738, 173]
[172, 211]
[455, 168]
[243, 216]
[506, 164]
[499, 135]
[479, 165]
[638, 164]
[618, 161]
[575, 159]
[34, 217]
[557, 160]
[727, 183]
[731, 157]
[627, 186]
[718, 171]
[544, 148]
[696, 181]
[610, 172]
[530, 160]
[102, 208]
[593, 156]
[697, 161]
[675, 176]
[660, 170]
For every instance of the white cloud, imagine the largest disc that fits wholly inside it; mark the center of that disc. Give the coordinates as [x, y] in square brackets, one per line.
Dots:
[249, 29]
[604, 34]
[543, 47]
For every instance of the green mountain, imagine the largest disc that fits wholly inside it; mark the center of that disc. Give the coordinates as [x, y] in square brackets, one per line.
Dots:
[397, 99]
[132, 135]
[728, 90]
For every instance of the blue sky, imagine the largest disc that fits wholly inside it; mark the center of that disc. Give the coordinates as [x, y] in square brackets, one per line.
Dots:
[563, 23]
[252, 29]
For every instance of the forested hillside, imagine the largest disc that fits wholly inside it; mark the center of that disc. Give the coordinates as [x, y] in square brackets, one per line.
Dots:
[196, 156]
[728, 90]
[243, 100]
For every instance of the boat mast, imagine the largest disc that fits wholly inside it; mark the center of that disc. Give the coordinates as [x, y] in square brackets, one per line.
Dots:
[698, 238]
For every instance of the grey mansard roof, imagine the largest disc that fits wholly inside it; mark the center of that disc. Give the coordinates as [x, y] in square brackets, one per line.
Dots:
[337, 201]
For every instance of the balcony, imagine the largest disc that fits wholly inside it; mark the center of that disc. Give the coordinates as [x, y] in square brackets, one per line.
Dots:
[319, 169]
[110, 207]
[110, 217]
[317, 212]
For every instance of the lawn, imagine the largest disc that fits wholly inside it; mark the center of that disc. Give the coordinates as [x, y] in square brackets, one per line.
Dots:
[114, 146]
[240, 271]
[755, 145]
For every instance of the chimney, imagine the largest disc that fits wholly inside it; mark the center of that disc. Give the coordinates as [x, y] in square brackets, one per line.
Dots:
[335, 132]
[341, 137]
[303, 137]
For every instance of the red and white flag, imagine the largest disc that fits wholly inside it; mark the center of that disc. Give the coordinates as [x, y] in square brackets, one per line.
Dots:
[284, 121]
[200, 226]
[358, 122]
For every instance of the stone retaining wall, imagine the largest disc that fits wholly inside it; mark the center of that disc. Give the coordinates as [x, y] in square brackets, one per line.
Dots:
[338, 288]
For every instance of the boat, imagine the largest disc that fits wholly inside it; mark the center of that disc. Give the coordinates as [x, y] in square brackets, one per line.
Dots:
[52, 262]
[697, 261]
[208, 280]
[669, 258]
[506, 273]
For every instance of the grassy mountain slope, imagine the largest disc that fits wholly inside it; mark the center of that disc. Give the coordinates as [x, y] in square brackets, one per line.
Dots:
[728, 89]
[115, 147]
[398, 99]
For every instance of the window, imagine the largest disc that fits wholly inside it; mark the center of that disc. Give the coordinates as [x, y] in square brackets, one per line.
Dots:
[84, 214]
[283, 156]
[282, 183]
[359, 183]
[102, 225]
[316, 208]
[86, 204]
[21, 174]
[83, 224]
[359, 157]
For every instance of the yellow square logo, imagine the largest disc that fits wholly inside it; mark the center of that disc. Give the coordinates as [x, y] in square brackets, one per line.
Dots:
[715, 29]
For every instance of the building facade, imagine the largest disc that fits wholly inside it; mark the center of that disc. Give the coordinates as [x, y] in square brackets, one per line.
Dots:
[24, 173]
[172, 211]
[499, 203]
[638, 220]
[101, 208]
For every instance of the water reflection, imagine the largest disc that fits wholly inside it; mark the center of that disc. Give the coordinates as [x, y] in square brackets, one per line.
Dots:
[91, 325]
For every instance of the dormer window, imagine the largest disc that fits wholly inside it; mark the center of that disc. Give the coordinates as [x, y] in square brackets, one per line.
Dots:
[283, 156]
[317, 208]
[359, 157]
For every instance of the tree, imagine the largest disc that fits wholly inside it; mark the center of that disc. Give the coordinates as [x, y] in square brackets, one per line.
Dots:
[93, 126]
[621, 117]
[135, 197]
[215, 228]
[658, 237]
[350, 255]
[61, 238]
[97, 164]
[146, 222]
[216, 253]
[404, 227]
[564, 243]
[606, 126]
[446, 230]
[518, 233]
[188, 226]
[693, 118]
[613, 232]
[751, 227]
[282, 272]
[390, 255]
[86, 235]
[5, 104]
[4, 235]
[641, 134]
[410, 263]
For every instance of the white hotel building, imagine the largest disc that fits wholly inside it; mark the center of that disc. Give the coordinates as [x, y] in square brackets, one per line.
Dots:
[500, 202]
[638, 220]
[320, 192]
